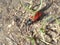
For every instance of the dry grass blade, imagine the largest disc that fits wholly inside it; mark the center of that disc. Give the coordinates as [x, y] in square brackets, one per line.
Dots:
[46, 42]
[23, 21]
[40, 5]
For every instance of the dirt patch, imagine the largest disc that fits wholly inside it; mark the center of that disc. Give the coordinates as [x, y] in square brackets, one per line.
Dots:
[13, 30]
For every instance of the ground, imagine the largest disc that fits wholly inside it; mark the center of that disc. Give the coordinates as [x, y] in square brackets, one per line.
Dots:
[14, 14]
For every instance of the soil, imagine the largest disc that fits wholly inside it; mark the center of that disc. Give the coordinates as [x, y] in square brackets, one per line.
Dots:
[13, 30]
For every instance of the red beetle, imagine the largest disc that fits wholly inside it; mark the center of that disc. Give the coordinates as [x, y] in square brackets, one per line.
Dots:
[34, 18]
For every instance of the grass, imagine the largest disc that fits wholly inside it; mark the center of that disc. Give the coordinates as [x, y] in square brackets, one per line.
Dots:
[43, 23]
[27, 8]
[31, 39]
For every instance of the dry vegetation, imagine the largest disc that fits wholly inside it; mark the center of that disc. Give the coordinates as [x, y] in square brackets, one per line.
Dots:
[14, 14]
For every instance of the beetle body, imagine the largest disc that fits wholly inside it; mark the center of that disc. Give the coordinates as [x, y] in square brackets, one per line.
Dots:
[36, 16]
